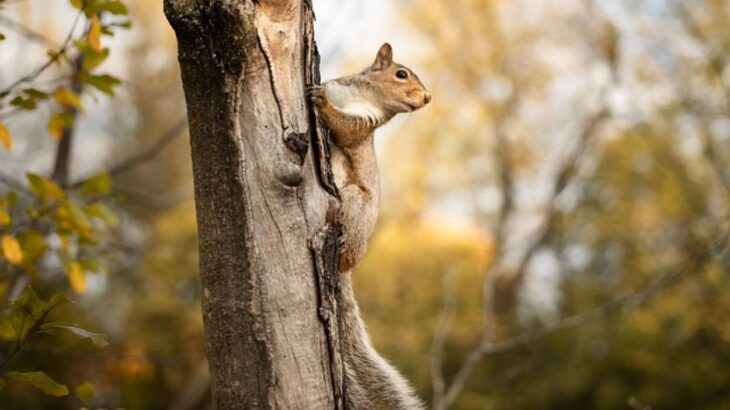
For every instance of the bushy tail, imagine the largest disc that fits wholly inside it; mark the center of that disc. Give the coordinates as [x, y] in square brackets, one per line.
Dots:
[371, 382]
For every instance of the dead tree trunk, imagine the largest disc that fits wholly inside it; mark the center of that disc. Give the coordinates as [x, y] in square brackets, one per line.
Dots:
[262, 190]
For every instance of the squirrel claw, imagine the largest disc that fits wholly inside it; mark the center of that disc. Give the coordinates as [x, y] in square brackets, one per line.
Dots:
[316, 94]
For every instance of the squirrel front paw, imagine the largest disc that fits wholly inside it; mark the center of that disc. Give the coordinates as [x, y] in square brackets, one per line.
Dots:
[317, 95]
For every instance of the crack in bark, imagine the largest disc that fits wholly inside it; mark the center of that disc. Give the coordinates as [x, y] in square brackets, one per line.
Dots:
[263, 45]
[325, 252]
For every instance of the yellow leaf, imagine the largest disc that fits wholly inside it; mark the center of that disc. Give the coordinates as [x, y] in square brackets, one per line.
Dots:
[11, 249]
[65, 243]
[94, 36]
[67, 98]
[56, 125]
[4, 217]
[5, 138]
[76, 277]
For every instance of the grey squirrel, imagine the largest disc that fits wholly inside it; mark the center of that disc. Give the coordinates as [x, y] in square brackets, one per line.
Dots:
[353, 107]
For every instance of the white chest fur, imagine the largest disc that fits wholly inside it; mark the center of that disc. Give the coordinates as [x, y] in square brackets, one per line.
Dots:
[352, 101]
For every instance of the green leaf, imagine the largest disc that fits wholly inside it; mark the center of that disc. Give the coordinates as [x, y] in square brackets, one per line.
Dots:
[30, 301]
[85, 392]
[27, 104]
[99, 184]
[99, 339]
[90, 265]
[79, 216]
[115, 7]
[41, 381]
[2, 384]
[93, 59]
[35, 94]
[8, 329]
[55, 300]
[2, 37]
[78, 4]
[101, 211]
[104, 83]
[36, 184]
[44, 188]
[9, 200]
[33, 244]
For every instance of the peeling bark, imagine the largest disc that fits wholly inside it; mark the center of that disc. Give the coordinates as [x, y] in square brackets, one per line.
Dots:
[264, 197]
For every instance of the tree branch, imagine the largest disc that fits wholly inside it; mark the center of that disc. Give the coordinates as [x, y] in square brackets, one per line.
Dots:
[565, 173]
[633, 300]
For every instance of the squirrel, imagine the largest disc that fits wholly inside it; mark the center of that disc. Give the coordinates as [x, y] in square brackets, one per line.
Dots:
[353, 107]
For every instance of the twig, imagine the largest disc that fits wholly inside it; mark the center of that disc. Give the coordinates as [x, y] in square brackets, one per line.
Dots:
[28, 334]
[27, 32]
[161, 202]
[53, 58]
[144, 156]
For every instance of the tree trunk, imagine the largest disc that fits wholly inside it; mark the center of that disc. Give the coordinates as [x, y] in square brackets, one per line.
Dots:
[263, 192]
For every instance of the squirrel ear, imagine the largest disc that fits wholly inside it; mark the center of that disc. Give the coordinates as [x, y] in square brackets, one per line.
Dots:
[384, 58]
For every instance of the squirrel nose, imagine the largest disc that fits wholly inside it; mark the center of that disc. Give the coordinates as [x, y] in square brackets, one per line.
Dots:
[426, 98]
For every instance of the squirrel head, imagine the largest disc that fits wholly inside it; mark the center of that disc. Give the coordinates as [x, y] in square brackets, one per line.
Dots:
[398, 88]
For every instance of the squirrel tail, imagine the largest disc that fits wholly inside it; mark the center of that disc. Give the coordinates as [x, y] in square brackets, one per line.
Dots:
[371, 382]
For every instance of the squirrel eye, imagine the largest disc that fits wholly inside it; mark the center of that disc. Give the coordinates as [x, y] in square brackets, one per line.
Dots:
[402, 74]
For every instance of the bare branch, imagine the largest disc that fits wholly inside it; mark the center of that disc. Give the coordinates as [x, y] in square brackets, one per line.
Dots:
[53, 58]
[716, 62]
[146, 155]
[27, 32]
[632, 300]
[565, 174]
[505, 210]
[716, 59]
[442, 330]
[124, 166]
[159, 201]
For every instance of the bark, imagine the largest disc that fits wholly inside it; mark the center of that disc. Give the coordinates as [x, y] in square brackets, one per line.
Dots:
[263, 194]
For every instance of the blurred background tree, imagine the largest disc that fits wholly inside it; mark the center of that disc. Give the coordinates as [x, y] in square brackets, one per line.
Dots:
[575, 153]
